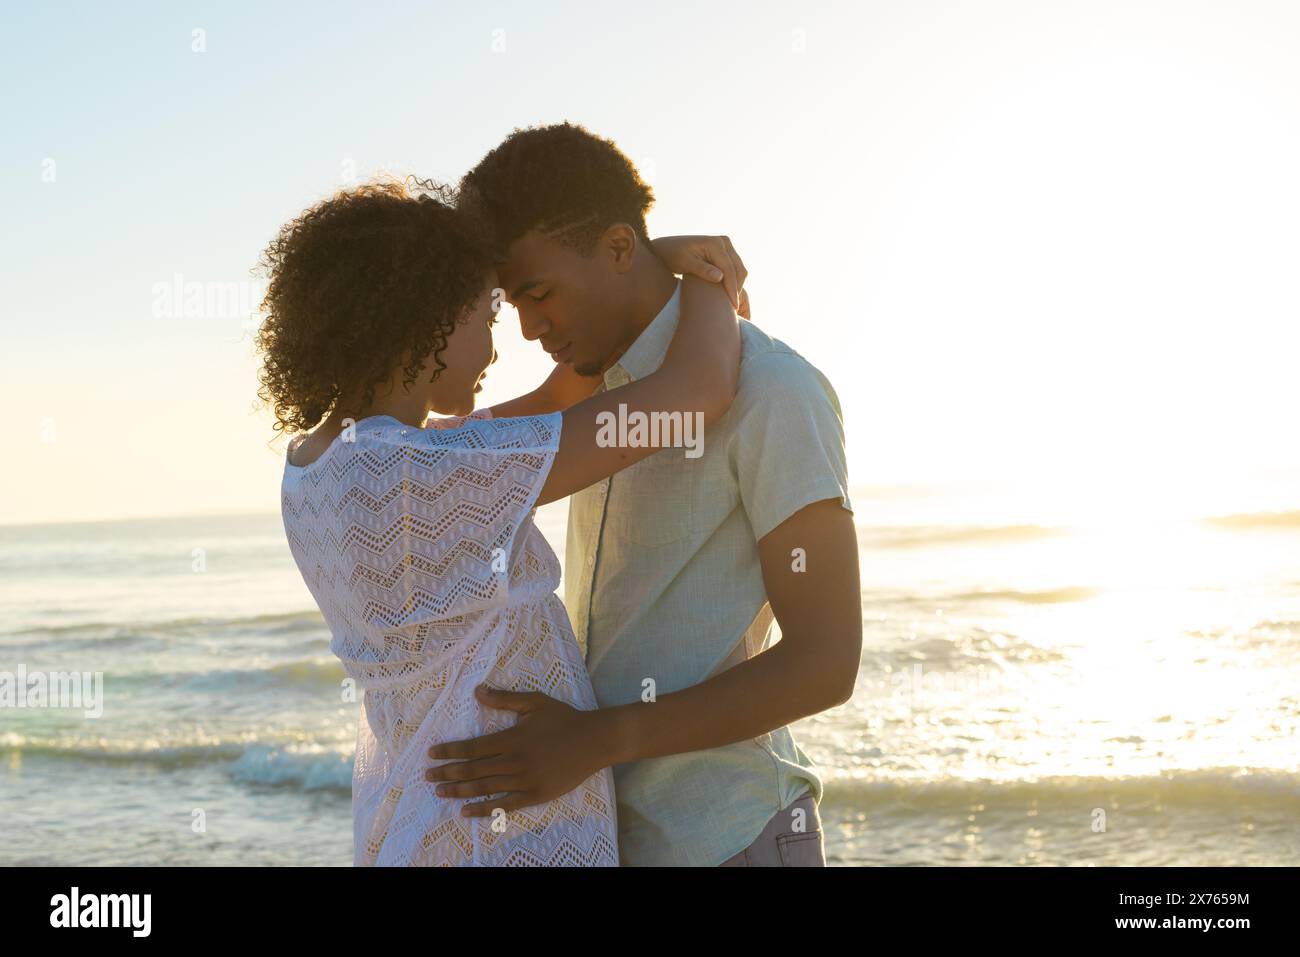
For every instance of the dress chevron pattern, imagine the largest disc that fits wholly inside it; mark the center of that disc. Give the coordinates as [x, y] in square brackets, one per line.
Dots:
[419, 546]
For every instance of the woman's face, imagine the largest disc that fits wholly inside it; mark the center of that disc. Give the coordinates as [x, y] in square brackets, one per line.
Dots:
[468, 354]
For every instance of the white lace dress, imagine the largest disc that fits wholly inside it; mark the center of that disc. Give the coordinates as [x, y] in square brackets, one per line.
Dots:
[420, 548]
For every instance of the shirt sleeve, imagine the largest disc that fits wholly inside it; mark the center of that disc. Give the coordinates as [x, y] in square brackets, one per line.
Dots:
[449, 505]
[789, 448]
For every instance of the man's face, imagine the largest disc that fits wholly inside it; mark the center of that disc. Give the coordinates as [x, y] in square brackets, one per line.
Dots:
[574, 305]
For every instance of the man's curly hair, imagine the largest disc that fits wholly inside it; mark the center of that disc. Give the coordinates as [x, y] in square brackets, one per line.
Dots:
[372, 279]
[561, 180]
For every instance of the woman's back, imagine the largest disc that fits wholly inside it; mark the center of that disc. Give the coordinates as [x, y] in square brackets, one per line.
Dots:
[419, 547]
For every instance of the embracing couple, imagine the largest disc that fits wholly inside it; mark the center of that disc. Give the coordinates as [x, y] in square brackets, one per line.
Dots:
[643, 719]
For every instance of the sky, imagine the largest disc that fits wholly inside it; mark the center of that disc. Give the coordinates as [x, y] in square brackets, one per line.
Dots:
[1045, 241]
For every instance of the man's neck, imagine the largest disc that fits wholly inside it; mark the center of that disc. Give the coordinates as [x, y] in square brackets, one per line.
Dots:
[653, 291]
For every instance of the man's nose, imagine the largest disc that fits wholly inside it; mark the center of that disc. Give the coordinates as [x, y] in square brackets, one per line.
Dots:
[533, 327]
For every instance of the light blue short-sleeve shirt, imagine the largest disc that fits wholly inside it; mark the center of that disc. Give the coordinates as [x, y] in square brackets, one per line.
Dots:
[664, 585]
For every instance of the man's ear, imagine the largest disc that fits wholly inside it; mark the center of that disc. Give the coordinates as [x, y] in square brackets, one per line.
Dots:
[619, 242]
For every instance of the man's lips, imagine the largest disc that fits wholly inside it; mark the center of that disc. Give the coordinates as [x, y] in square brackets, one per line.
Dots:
[562, 353]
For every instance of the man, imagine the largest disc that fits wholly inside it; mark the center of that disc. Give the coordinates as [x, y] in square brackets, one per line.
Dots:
[675, 566]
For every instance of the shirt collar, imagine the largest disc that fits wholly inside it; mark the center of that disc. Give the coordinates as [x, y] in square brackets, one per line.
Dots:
[646, 353]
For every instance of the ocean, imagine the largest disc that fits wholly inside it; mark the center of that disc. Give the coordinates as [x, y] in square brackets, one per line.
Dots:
[1040, 685]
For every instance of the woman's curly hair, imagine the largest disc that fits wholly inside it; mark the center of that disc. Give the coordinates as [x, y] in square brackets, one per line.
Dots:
[372, 279]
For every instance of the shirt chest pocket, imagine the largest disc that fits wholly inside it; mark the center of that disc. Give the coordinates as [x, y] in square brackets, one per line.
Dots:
[653, 502]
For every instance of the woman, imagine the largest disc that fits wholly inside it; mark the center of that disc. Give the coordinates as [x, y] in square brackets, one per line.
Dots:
[416, 538]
